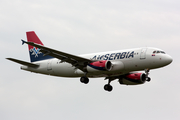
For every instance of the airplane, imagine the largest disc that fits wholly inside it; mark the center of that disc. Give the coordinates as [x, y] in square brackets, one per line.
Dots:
[123, 65]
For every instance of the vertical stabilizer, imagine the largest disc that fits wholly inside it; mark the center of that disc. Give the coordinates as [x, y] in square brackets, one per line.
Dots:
[35, 54]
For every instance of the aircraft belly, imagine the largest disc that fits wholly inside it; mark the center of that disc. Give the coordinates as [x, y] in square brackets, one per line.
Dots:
[64, 70]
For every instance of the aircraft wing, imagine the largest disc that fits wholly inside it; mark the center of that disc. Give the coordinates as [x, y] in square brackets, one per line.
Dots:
[76, 61]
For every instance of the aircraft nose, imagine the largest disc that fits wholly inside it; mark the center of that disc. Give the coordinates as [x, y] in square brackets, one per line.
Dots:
[168, 59]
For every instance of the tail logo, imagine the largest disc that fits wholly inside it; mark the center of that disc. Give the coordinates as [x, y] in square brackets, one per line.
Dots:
[35, 51]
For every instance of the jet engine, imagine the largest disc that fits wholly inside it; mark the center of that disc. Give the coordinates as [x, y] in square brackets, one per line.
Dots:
[102, 65]
[133, 79]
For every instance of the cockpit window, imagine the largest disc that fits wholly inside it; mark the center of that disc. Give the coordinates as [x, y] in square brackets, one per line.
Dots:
[163, 52]
[159, 52]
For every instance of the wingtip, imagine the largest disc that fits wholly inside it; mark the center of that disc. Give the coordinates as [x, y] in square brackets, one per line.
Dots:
[10, 59]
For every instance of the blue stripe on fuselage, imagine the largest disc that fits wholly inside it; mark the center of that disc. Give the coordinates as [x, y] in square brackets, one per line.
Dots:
[96, 67]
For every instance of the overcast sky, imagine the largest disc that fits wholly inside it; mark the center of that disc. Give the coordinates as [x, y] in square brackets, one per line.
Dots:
[80, 27]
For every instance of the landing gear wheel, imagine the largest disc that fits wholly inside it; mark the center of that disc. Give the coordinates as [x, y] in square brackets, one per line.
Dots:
[148, 79]
[147, 73]
[84, 80]
[108, 87]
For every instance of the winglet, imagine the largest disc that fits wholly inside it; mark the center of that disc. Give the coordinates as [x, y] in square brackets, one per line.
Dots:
[23, 41]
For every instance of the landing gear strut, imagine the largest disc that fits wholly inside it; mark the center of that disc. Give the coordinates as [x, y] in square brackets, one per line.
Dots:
[108, 87]
[147, 73]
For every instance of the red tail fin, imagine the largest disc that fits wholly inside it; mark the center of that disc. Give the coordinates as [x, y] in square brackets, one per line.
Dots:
[32, 37]
[35, 54]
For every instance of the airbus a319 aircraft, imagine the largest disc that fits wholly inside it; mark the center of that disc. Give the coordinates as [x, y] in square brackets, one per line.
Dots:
[120, 64]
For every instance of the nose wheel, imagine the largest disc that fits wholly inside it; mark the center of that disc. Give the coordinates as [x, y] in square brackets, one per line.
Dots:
[147, 73]
[148, 79]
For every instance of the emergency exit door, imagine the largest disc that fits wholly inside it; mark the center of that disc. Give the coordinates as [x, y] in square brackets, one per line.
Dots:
[49, 65]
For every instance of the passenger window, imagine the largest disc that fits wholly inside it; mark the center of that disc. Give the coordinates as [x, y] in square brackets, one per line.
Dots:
[158, 51]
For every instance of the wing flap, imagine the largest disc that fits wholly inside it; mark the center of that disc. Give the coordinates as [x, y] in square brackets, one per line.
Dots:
[23, 62]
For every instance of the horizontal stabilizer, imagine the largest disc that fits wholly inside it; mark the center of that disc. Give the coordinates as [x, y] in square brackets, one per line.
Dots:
[23, 62]
[23, 42]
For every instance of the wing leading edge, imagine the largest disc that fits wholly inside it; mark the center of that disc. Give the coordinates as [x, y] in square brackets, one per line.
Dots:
[76, 61]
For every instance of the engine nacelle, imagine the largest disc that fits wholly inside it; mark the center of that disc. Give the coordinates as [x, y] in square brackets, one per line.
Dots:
[133, 79]
[102, 65]
[117, 66]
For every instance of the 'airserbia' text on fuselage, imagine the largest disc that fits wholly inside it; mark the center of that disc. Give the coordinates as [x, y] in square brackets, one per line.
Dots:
[114, 56]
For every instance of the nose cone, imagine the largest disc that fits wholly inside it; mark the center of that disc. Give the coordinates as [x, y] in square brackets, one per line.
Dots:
[168, 59]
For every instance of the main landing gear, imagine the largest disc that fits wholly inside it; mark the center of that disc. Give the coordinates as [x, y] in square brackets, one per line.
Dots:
[108, 87]
[84, 79]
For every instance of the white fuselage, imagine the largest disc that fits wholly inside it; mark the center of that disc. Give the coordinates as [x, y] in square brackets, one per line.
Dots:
[124, 61]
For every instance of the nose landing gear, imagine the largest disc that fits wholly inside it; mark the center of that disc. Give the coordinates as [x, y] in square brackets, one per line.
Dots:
[147, 73]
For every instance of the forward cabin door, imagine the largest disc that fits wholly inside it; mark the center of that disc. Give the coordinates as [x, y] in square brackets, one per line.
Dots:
[143, 53]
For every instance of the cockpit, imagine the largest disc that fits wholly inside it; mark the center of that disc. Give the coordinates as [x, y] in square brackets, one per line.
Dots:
[155, 52]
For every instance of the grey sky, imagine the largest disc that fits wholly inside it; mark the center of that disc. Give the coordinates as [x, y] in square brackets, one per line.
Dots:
[81, 27]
